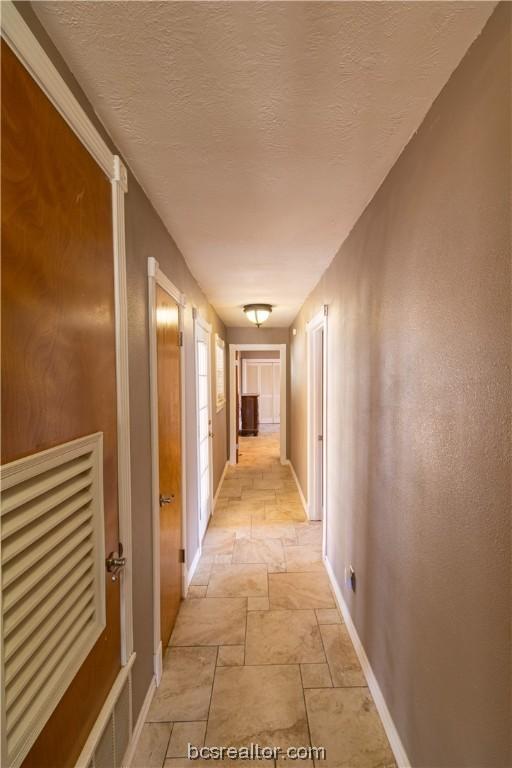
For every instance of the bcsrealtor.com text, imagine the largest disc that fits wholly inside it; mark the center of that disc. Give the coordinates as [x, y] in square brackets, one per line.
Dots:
[255, 752]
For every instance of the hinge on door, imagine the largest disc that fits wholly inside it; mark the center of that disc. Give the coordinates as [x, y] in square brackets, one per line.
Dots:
[180, 339]
[181, 556]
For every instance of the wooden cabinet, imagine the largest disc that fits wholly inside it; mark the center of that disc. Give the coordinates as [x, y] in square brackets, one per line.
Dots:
[250, 415]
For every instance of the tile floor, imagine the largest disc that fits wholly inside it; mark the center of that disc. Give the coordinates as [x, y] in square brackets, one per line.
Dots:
[259, 653]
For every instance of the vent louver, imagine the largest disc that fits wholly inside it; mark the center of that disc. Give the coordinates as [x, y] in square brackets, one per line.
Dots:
[53, 589]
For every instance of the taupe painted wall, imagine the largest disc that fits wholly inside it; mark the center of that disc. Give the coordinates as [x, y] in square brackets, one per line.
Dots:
[419, 344]
[254, 355]
[146, 236]
[253, 335]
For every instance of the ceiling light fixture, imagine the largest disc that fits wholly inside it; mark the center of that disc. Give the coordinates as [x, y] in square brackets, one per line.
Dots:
[257, 313]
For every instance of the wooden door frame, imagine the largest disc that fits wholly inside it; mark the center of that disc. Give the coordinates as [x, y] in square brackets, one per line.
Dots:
[24, 44]
[157, 277]
[207, 328]
[266, 361]
[233, 348]
[316, 324]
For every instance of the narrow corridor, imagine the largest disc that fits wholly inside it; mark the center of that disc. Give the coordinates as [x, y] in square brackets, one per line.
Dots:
[259, 653]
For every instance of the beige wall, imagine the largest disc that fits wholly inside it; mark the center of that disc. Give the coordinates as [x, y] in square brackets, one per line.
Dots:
[418, 434]
[255, 355]
[253, 335]
[146, 236]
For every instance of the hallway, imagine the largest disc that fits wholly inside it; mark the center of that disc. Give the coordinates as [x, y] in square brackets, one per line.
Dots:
[259, 654]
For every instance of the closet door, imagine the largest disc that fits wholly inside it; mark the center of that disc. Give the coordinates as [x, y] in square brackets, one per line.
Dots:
[266, 392]
[58, 384]
[276, 376]
[251, 378]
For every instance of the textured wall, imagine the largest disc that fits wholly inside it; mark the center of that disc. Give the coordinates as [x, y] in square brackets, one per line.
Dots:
[146, 236]
[419, 420]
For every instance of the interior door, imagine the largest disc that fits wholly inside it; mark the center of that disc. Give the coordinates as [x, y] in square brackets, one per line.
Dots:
[266, 392]
[169, 459]
[250, 377]
[58, 343]
[276, 373]
[204, 426]
[319, 420]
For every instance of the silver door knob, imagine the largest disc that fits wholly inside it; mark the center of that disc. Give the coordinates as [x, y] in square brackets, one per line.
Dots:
[163, 500]
[115, 562]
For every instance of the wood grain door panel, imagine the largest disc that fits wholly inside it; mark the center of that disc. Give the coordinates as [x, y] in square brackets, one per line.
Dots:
[169, 458]
[58, 342]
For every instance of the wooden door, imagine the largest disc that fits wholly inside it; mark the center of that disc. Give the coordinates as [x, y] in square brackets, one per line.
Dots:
[169, 459]
[58, 343]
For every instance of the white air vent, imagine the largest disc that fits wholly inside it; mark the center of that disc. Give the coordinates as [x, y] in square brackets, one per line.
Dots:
[53, 582]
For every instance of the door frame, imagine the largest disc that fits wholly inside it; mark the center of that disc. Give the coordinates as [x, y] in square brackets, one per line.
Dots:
[316, 324]
[157, 277]
[266, 361]
[207, 328]
[30, 53]
[233, 348]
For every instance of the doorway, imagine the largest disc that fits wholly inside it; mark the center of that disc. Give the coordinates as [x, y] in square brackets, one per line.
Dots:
[316, 414]
[166, 305]
[268, 377]
[263, 377]
[202, 336]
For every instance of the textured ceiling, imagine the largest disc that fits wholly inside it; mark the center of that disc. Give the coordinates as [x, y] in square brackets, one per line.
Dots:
[261, 130]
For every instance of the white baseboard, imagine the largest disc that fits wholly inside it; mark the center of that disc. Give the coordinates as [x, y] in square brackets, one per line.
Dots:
[158, 664]
[226, 465]
[193, 566]
[130, 752]
[378, 697]
[303, 500]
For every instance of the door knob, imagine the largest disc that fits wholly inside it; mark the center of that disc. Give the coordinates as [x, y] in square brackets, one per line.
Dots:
[211, 434]
[114, 562]
[163, 500]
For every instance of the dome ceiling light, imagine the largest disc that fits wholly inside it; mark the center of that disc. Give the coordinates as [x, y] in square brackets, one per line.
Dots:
[257, 313]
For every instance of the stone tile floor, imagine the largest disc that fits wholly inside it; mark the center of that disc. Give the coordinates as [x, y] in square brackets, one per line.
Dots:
[259, 653]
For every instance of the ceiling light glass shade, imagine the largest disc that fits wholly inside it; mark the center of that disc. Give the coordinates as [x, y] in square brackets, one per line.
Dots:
[257, 313]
